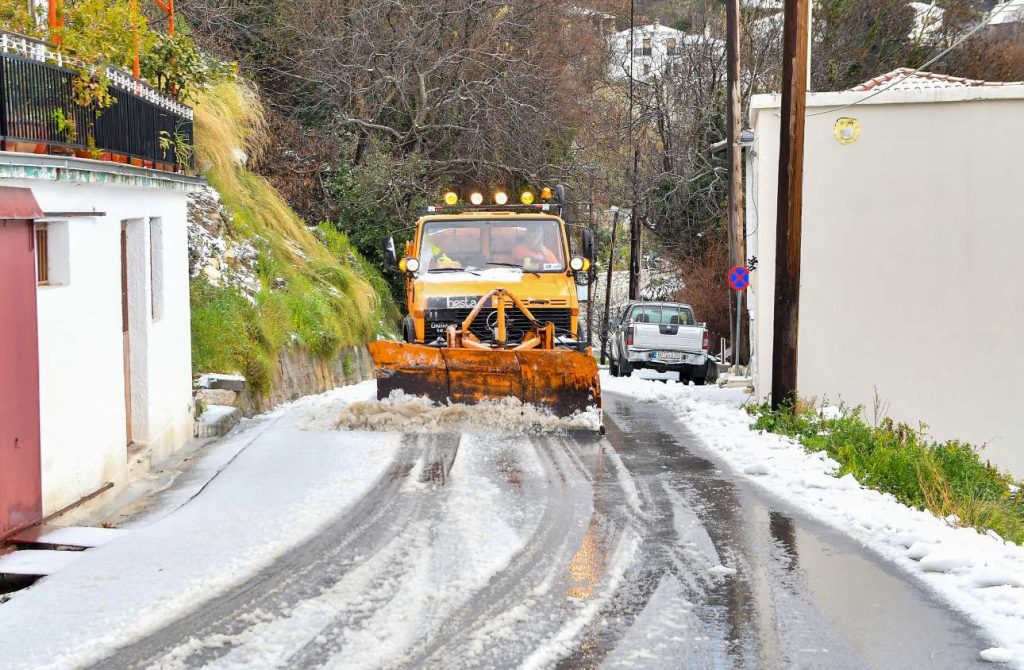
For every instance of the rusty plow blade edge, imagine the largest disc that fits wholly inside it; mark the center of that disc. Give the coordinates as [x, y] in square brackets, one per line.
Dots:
[561, 380]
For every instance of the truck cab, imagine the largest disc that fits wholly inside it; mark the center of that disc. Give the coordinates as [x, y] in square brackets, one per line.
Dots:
[456, 256]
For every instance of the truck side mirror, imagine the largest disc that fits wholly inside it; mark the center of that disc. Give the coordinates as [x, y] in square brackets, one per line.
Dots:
[588, 243]
[390, 255]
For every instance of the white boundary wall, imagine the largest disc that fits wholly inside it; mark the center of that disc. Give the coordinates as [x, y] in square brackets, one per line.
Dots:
[911, 284]
[82, 407]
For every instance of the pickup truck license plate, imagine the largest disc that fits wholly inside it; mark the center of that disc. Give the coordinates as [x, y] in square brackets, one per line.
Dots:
[668, 356]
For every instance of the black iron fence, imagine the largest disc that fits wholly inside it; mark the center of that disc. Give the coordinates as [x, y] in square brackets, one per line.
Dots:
[38, 113]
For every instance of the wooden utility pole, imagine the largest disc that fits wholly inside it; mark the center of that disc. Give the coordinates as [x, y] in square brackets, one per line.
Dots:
[790, 203]
[634, 216]
[634, 231]
[608, 288]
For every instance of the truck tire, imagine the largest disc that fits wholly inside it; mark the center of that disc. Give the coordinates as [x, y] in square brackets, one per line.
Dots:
[699, 381]
[684, 377]
[408, 330]
[613, 368]
[625, 368]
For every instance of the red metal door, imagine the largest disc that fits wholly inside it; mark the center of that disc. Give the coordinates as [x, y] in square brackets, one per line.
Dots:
[20, 483]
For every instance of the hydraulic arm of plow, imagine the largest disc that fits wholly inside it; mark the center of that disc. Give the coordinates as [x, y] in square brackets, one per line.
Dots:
[540, 336]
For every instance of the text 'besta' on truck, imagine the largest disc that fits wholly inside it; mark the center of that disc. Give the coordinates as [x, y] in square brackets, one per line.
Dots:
[492, 309]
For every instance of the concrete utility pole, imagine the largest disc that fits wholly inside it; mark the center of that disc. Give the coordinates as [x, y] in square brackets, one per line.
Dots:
[790, 203]
[608, 288]
[737, 239]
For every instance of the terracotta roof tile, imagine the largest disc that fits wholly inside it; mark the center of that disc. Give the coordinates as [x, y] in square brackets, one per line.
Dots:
[908, 80]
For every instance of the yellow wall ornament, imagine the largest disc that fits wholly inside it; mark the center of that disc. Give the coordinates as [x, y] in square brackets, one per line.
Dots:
[846, 130]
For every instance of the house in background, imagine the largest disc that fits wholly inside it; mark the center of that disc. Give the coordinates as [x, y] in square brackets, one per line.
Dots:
[912, 229]
[95, 369]
[655, 50]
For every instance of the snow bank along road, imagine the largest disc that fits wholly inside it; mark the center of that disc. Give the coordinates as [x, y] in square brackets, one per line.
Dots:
[435, 546]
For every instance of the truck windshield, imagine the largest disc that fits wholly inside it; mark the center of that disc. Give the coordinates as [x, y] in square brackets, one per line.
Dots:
[535, 246]
[662, 315]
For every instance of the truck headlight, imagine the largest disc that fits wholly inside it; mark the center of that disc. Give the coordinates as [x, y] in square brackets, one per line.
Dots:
[576, 263]
[411, 264]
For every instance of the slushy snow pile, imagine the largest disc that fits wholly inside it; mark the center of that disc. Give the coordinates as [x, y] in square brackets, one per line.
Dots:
[413, 414]
[977, 573]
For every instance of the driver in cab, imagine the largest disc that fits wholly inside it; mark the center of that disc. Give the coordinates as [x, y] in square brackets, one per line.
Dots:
[530, 251]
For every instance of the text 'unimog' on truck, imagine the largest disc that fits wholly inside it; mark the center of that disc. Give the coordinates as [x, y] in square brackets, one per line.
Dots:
[492, 307]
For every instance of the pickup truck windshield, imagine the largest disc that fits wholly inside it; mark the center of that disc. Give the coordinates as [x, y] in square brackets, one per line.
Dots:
[535, 246]
[662, 315]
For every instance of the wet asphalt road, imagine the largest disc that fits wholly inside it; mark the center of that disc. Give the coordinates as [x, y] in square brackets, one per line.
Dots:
[641, 551]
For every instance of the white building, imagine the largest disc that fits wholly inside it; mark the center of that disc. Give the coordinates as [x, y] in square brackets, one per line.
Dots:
[654, 49]
[912, 230]
[112, 302]
[1006, 13]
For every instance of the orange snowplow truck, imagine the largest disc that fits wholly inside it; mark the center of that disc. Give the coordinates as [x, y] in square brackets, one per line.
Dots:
[492, 307]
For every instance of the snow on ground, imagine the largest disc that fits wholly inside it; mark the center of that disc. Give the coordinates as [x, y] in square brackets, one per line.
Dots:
[279, 490]
[978, 574]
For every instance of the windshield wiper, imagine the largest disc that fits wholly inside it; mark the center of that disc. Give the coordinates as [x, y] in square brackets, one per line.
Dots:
[454, 270]
[513, 265]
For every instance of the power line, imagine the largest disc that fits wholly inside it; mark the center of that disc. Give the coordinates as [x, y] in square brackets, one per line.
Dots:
[942, 54]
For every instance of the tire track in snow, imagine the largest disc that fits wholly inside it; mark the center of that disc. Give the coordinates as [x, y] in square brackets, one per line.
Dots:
[525, 585]
[301, 574]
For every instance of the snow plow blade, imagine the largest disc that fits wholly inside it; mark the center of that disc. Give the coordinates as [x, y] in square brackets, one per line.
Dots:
[561, 380]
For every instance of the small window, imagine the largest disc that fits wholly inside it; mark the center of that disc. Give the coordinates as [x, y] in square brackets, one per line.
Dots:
[647, 68]
[647, 43]
[156, 267]
[670, 42]
[53, 254]
[42, 255]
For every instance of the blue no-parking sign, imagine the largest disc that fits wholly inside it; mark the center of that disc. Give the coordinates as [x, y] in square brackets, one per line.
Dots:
[739, 278]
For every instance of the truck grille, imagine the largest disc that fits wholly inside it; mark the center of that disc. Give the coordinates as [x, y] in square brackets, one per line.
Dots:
[438, 320]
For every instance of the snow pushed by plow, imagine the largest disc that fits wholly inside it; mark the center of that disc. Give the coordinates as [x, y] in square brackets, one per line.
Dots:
[401, 412]
[978, 574]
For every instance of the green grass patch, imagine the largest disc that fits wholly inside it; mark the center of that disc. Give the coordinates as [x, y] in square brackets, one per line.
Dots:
[944, 477]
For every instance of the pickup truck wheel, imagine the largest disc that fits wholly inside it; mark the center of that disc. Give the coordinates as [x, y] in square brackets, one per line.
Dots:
[625, 368]
[699, 381]
[684, 377]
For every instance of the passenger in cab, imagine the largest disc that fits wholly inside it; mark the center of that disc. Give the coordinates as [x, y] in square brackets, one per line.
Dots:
[440, 258]
[530, 251]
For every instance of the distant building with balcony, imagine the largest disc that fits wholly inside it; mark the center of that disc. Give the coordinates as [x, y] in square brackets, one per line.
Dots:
[95, 353]
[652, 50]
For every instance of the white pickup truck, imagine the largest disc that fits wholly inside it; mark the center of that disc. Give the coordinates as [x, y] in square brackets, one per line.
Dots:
[662, 336]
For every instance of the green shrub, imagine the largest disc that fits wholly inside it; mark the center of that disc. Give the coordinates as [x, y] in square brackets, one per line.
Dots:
[226, 335]
[944, 477]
